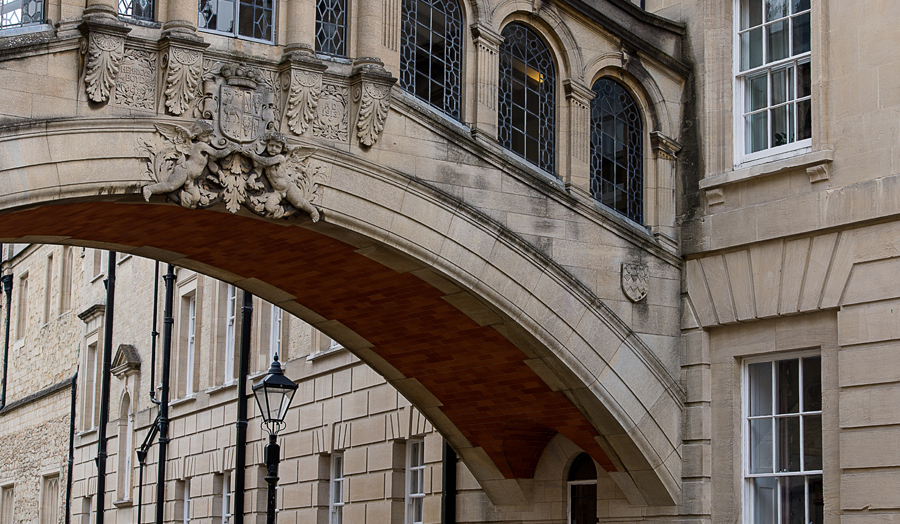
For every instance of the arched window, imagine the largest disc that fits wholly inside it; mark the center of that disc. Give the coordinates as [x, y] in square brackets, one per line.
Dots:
[617, 138]
[527, 112]
[582, 491]
[331, 27]
[431, 46]
[126, 429]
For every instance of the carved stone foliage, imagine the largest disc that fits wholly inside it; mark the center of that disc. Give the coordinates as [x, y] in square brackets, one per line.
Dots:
[136, 84]
[305, 89]
[183, 69]
[233, 154]
[104, 56]
[332, 114]
[635, 281]
[374, 103]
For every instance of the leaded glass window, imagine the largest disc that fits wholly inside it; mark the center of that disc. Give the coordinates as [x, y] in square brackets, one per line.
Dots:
[617, 138]
[775, 75]
[331, 27]
[430, 52]
[137, 9]
[16, 13]
[255, 18]
[527, 112]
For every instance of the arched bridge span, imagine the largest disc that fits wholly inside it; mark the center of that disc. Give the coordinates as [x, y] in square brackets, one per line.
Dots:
[498, 344]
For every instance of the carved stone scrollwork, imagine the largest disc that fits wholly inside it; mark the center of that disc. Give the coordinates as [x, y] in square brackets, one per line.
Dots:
[372, 91]
[234, 155]
[303, 76]
[136, 85]
[104, 47]
[182, 60]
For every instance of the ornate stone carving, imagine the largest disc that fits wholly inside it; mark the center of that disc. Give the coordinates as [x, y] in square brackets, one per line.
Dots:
[104, 47]
[306, 86]
[183, 69]
[136, 84]
[635, 281]
[333, 113]
[374, 103]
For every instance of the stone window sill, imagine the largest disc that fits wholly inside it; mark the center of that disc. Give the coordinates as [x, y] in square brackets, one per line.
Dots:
[25, 29]
[323, 354]
[816, 163]
[124, 503]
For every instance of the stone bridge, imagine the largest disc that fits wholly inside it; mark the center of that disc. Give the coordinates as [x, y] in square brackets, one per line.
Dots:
[501, 300]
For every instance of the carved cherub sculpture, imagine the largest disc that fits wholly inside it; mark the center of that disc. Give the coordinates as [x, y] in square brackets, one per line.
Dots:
[195, 154]
[279, 165]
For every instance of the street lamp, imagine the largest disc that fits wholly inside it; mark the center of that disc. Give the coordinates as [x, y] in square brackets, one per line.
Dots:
[273, 397]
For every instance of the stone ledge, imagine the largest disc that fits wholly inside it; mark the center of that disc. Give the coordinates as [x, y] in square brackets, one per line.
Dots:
[12, 406]
[804, 161]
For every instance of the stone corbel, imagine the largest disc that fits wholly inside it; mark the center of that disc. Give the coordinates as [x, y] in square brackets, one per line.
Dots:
[182, 61]
[371, 85]
[302, 79]
[104, 47]
[663, 146]
[819, 173]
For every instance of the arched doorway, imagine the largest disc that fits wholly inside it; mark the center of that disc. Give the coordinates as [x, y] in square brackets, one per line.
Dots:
[582, 491]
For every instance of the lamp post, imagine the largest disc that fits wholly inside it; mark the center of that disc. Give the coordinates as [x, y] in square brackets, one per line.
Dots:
[273, 397]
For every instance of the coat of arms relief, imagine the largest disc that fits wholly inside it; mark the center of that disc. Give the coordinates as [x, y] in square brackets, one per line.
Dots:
[235, 153]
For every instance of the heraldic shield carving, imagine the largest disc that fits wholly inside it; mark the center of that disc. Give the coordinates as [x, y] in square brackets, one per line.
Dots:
[234, 154]
[635, 281]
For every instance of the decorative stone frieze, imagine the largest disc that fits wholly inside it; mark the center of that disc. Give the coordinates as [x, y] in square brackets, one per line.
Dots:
[136, 83]
[371, 88]
[104, 49]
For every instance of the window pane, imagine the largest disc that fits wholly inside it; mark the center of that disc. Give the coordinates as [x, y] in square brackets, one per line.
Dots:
[816, 500]
[800, 5]
[812, 384]
[812, 442]
[788, 443]
[764, 504]
[803, 82]
[804, 120]
[782, 84]
[751, 49]
[751, 13]
[760, 389]
[776, 9]
[801, 33]
[787, 373]
[793, 500]
[757, 132]
[780, 133]
[757, 95]
[761, 446]
[777, 40]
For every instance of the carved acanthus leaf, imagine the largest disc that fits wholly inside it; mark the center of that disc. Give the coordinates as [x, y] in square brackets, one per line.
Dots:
[375, 101]
[306, 86]
[104, 56]
[184, 67]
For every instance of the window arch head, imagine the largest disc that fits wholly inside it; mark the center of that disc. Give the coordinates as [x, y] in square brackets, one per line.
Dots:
[527, 108]
[582, 482]
[430, 51]
[617, 140]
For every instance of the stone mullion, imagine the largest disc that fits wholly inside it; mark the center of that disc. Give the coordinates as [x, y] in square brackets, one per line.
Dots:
[576, 168]
[487, 59]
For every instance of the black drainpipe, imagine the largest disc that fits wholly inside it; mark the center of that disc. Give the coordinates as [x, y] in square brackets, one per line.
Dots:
[448, 492]
[154, 334]
[164, 401]
[104, 384]
[7, 288]
[71, 448]
[240, 452]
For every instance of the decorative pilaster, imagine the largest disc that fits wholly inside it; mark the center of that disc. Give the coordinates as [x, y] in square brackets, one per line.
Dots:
[182, 61]
[302, 78]
[371, 86]
[301, 26]
[661, 190]
[578, 98]
[104, 47]
[487, 59]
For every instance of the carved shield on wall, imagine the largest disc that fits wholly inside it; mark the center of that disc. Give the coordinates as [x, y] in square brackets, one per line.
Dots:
[635, 281]
[244, 114]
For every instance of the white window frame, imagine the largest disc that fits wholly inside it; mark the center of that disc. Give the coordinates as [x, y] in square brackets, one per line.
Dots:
[413, 495]
[747, 491]
[276, 318]
[22, 308]
[230, 331]
[237, 14]
[226, 498]
[49, 511]
[742, 159]
[336, 490]
[191, 343]
[7, 503]
[186, 517]
[48, 289]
